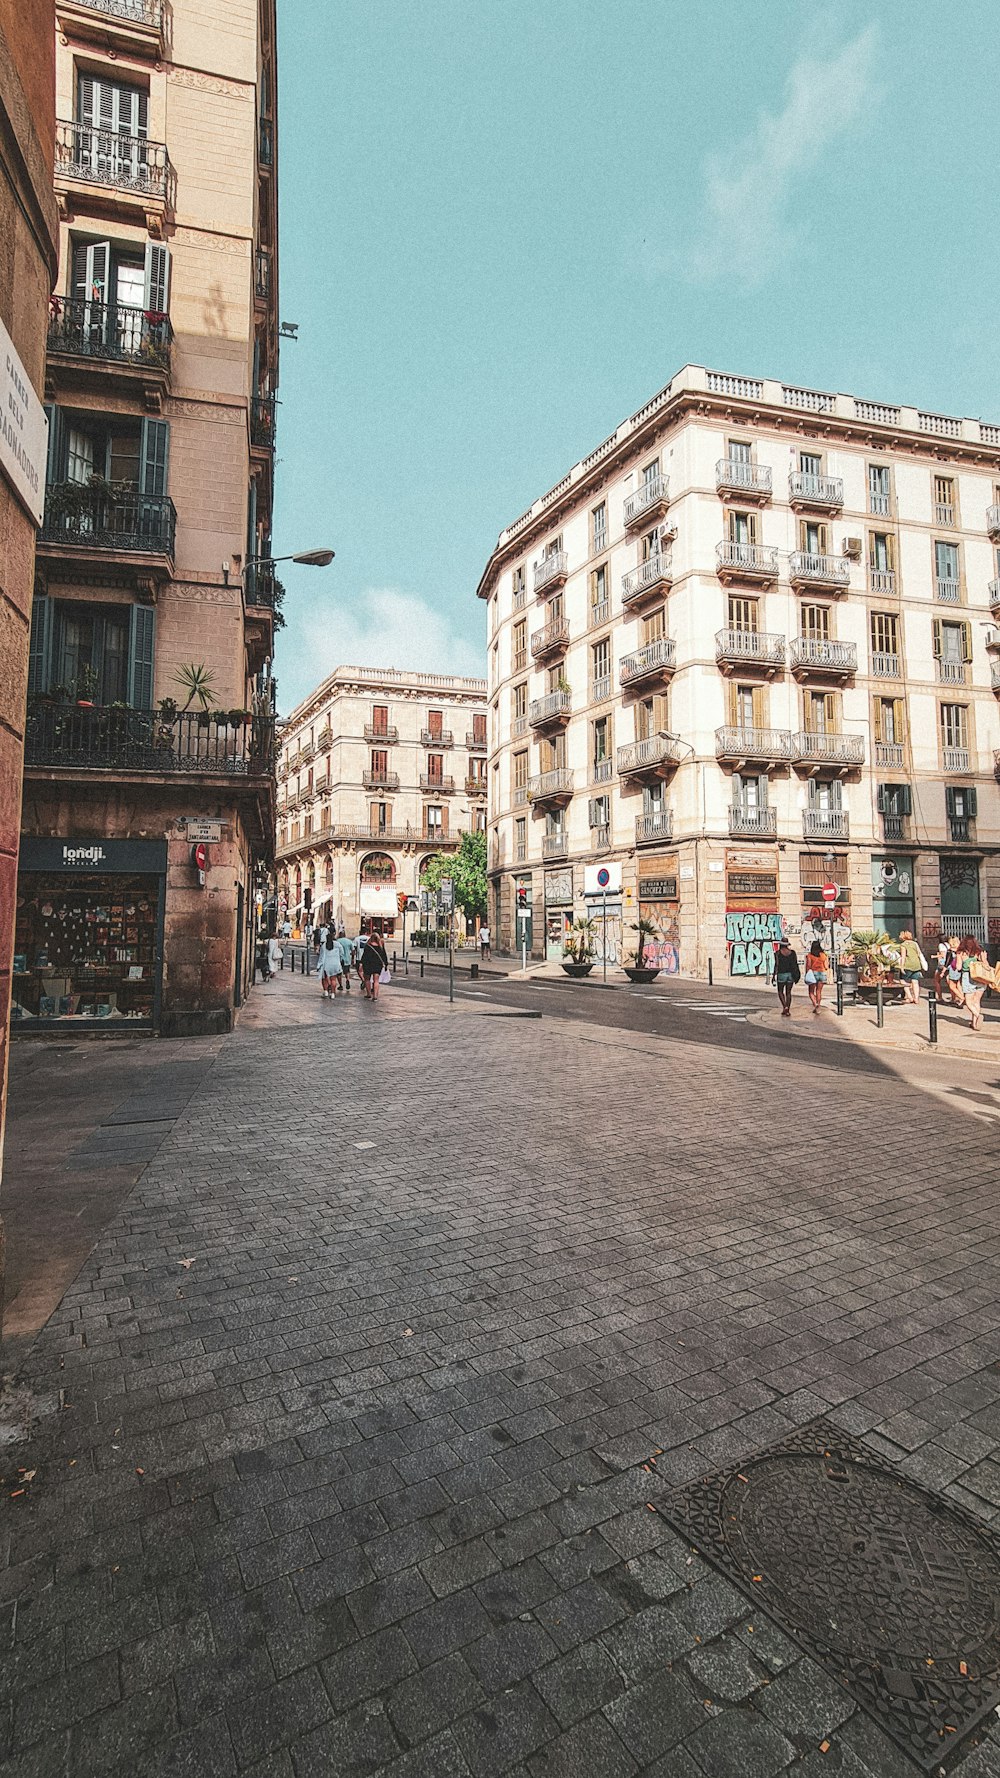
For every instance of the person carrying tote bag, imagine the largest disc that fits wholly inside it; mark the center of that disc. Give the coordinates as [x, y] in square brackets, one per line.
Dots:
[817, 967]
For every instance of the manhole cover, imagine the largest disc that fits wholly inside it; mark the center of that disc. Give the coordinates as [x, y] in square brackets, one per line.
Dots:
[894, 1590]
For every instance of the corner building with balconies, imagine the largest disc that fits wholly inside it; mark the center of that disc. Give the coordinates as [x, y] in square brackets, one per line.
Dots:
[746, 648]
[379, 769]
[161, 375]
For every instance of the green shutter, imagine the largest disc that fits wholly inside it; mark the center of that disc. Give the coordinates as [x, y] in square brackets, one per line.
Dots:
[971, 800]
[949, 800]
[154, 456]
[55, 469]
[142, 630]
[40, 647]
[905, 799]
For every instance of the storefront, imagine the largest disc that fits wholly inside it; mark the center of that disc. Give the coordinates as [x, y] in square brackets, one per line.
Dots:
[829, 922]
[88, 941]
[893, 904]
[558, 910]
[659, 903]
[378, 902]
[753, 924]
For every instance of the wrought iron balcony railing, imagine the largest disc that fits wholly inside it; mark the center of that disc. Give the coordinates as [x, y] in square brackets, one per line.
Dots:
[135, 12]
[436, 737]
[882, 582]
[951, 672]
[956, 759]
[552, 708]
[947, 591]
[893, 827]
[380, 780]
[324, 738]
[550, 637]
[109, 332]
[889, 753]
[754, 743]
[650, 497]
[805, 568]
[839, 750]
[555, 845]
[106, 157]
[440, 786]
[649, 575]
[656, 754]
[475, 743]
[550, 570]
[107, 738]
[656, 658]
[386, 732]
[826, 491]
[260, 586]
[263, 416]
[746, 561]
[825, 824]
[733, 476]
[885, 665]
[88, 518]
[475, 786]
[993, 521]
[265, 142]
[758, 821]
[654, 827]
[262, 273]
[555, 784]
[751, 648]
[819, 656]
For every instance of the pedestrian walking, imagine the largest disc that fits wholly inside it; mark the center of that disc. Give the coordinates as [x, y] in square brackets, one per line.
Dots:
[286, 927]
[319, 934]
[274, 955]
[330, 965]
[373, 961]
[953, 971]
[941, 969]
[484, 944]
[817, 967]
[912, 963]
[977, 975]
[786, 974]
[346, 957]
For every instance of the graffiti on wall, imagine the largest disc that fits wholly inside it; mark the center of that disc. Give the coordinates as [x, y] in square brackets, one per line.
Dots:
[750, 942]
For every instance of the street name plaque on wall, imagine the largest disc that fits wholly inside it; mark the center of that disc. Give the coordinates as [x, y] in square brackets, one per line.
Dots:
[894, 1590]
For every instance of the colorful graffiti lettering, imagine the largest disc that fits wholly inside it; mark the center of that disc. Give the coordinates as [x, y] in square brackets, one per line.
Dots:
[750, 941]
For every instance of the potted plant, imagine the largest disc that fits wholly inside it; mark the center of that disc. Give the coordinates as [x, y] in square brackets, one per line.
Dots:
[198, 682]
[578, 947]
[639, 971]
[86, 685]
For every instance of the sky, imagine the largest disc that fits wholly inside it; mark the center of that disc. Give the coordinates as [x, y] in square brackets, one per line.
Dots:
[506, 223]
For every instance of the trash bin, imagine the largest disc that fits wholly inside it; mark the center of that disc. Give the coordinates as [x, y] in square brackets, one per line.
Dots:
[849, 980]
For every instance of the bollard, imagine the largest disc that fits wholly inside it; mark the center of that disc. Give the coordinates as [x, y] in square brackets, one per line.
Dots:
[281, 961]
[932, 1015]
[710, 972]
[421, 969]
[840, 995]
[473, 972]
[395, 965]
[879, 1006]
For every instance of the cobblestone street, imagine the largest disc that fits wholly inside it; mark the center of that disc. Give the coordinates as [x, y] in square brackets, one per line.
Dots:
[351, 1434]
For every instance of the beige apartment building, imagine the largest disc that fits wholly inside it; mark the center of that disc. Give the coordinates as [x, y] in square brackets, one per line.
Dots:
[746, 649]
[160, 379]
[378, 770]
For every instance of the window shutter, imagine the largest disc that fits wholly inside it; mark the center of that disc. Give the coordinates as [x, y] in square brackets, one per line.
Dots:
[40, 648]
[156, 288]
[949, 801]
[759, 711]
[86, 99]
[592, 815]
[878, 719]
[444, 822]
[881, 799]
[660, 718]
[154, 454]
[937, 638]
[55, 470]
[141, 113]
[971, 800]
[142, 630]
[966, 641]
[899, 716]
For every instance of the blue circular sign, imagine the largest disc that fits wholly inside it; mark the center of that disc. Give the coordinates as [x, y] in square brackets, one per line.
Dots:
[604, 876]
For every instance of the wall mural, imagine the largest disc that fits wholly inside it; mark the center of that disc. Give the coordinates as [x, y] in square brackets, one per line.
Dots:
[750, 942]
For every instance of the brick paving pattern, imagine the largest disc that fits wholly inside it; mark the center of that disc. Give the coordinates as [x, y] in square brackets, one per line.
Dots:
[351, 1468]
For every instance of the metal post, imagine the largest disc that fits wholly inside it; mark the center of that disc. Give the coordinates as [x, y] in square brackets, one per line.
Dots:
[932, 1015]
[710, 972]
[604, 945]
[879, 1006]
[394, 963]
[524, 947]
[840, 995]
[421, 966]
[451, 956]
[281, 960]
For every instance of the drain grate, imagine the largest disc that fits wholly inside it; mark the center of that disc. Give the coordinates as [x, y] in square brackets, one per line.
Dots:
[893, 1589]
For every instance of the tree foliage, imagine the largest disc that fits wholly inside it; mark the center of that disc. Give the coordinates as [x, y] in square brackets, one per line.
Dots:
[467, 870]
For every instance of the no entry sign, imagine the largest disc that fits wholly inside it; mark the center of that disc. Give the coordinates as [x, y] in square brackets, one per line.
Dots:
[830, 893]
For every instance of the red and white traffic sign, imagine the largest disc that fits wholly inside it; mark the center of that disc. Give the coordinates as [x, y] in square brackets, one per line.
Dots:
[830, 893]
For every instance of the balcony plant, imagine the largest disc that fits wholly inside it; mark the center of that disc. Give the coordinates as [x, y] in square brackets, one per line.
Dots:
[579, 945]
[198, 682]
[639, 971]
[86, 685]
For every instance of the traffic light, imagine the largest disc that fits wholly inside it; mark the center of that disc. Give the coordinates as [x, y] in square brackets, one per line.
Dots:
[522, 895]
[401, 900]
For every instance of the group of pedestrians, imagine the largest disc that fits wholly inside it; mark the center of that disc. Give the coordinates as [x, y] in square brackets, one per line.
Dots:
[787, 973]
[962, 973]
[337, 956]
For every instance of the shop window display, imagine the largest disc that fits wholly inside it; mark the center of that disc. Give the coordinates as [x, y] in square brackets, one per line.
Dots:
[85, 948]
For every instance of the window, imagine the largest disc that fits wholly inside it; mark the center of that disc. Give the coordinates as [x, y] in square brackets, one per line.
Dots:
[115, 123]
[645, 719]
[519, 702]
[825, 796]
[654, 626]
[743, 615]
[749, 792]
[600, 603]
[820, 713]
[519, 586]
[952, 649]
[435, 767]
[380, 762]
[890, 724]
[520, 777]
[479, 727]
[599, 527]
[520, 645]
[960, 803]
[555, 609]
[816, 622]
[810, 463]
[885, 644]
[814, 538]
[600, 668]
[380, 815]
[434, 818]
[380, 719]
[739, 450]
[894, 805]
[101, 652]
[552, 753]
[954, 728]
[520, 839]
[116, 448]
[946, 572]
[744, 706]
[600, 749]
[650, 545]
[477, 771]
[435, 724]
[944, 500]
[600, 811]
[495, 663]
[110, 288]
[742, 526]
[878, 489]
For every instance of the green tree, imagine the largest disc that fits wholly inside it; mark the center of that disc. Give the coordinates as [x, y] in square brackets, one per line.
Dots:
[467, 870]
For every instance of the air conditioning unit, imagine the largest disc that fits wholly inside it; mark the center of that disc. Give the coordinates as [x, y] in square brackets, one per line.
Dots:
[668, 533]
[852, 548]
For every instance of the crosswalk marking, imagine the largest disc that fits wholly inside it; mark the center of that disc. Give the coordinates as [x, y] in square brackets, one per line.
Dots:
[710, 1008]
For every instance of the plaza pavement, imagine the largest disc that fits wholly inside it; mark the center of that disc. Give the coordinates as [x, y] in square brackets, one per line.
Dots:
[346, 1437]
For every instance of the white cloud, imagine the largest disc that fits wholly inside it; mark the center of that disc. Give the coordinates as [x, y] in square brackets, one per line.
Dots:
[746, 231]
[382, 627]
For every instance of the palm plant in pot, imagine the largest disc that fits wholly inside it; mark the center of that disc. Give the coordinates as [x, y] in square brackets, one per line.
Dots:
[640, 971]
[578, 947]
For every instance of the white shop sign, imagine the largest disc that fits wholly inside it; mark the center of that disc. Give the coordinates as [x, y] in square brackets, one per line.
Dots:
[24, 430]
[207, 833]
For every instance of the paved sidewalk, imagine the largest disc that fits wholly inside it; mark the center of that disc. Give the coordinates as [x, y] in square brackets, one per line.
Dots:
[365, 1396]
[904, 1027]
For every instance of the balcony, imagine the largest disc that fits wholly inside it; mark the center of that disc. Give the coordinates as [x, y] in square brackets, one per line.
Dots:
[993, 595]
[749, 480]
[817, 493]
[265, 143]
[552, 710]
[307, 751]
[133, 168]
[647, 500]
[324, 739]
[750, 648]
[769, 746]
[261, 589]
[995, 675]
[656, 661]
[893, 828]
[825, 824]
[385, 733]
[956, 759]
[648, 578]
[882, 582]
[890, 754]
[950, 672]
[553, 638]
[135, 26]
[828, 750]
[555, 786]
[944, 512]
[114, 740]
[808, 570]
[993, 523]
[436, 737]
[555, 845]
[475, 786]
[90, 519]
[263, 416]
[745, 561]
[436, 785]
[600, 837]
[654, 757]
[380, 780]
[959, 828]
[322, 784]
[550, 572]
[600, 688]
[811, 656]
[947, 591]
[885, 666]
[761, 822]
[111, 336]
[651, 828]
[475, 743]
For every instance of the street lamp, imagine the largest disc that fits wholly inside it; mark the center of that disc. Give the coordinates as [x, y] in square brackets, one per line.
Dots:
[307, 558]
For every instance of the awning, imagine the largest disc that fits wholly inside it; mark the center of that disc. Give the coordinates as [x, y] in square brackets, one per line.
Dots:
[379, 899]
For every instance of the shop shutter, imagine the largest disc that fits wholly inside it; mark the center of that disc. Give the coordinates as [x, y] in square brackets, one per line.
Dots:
[40, 647]
[153, 457]
[142, 631]
[156, 287]
[56, 464]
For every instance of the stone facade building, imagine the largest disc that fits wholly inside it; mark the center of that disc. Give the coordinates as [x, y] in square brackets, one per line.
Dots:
[746, 649]
[161, 378]
[378, 770]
